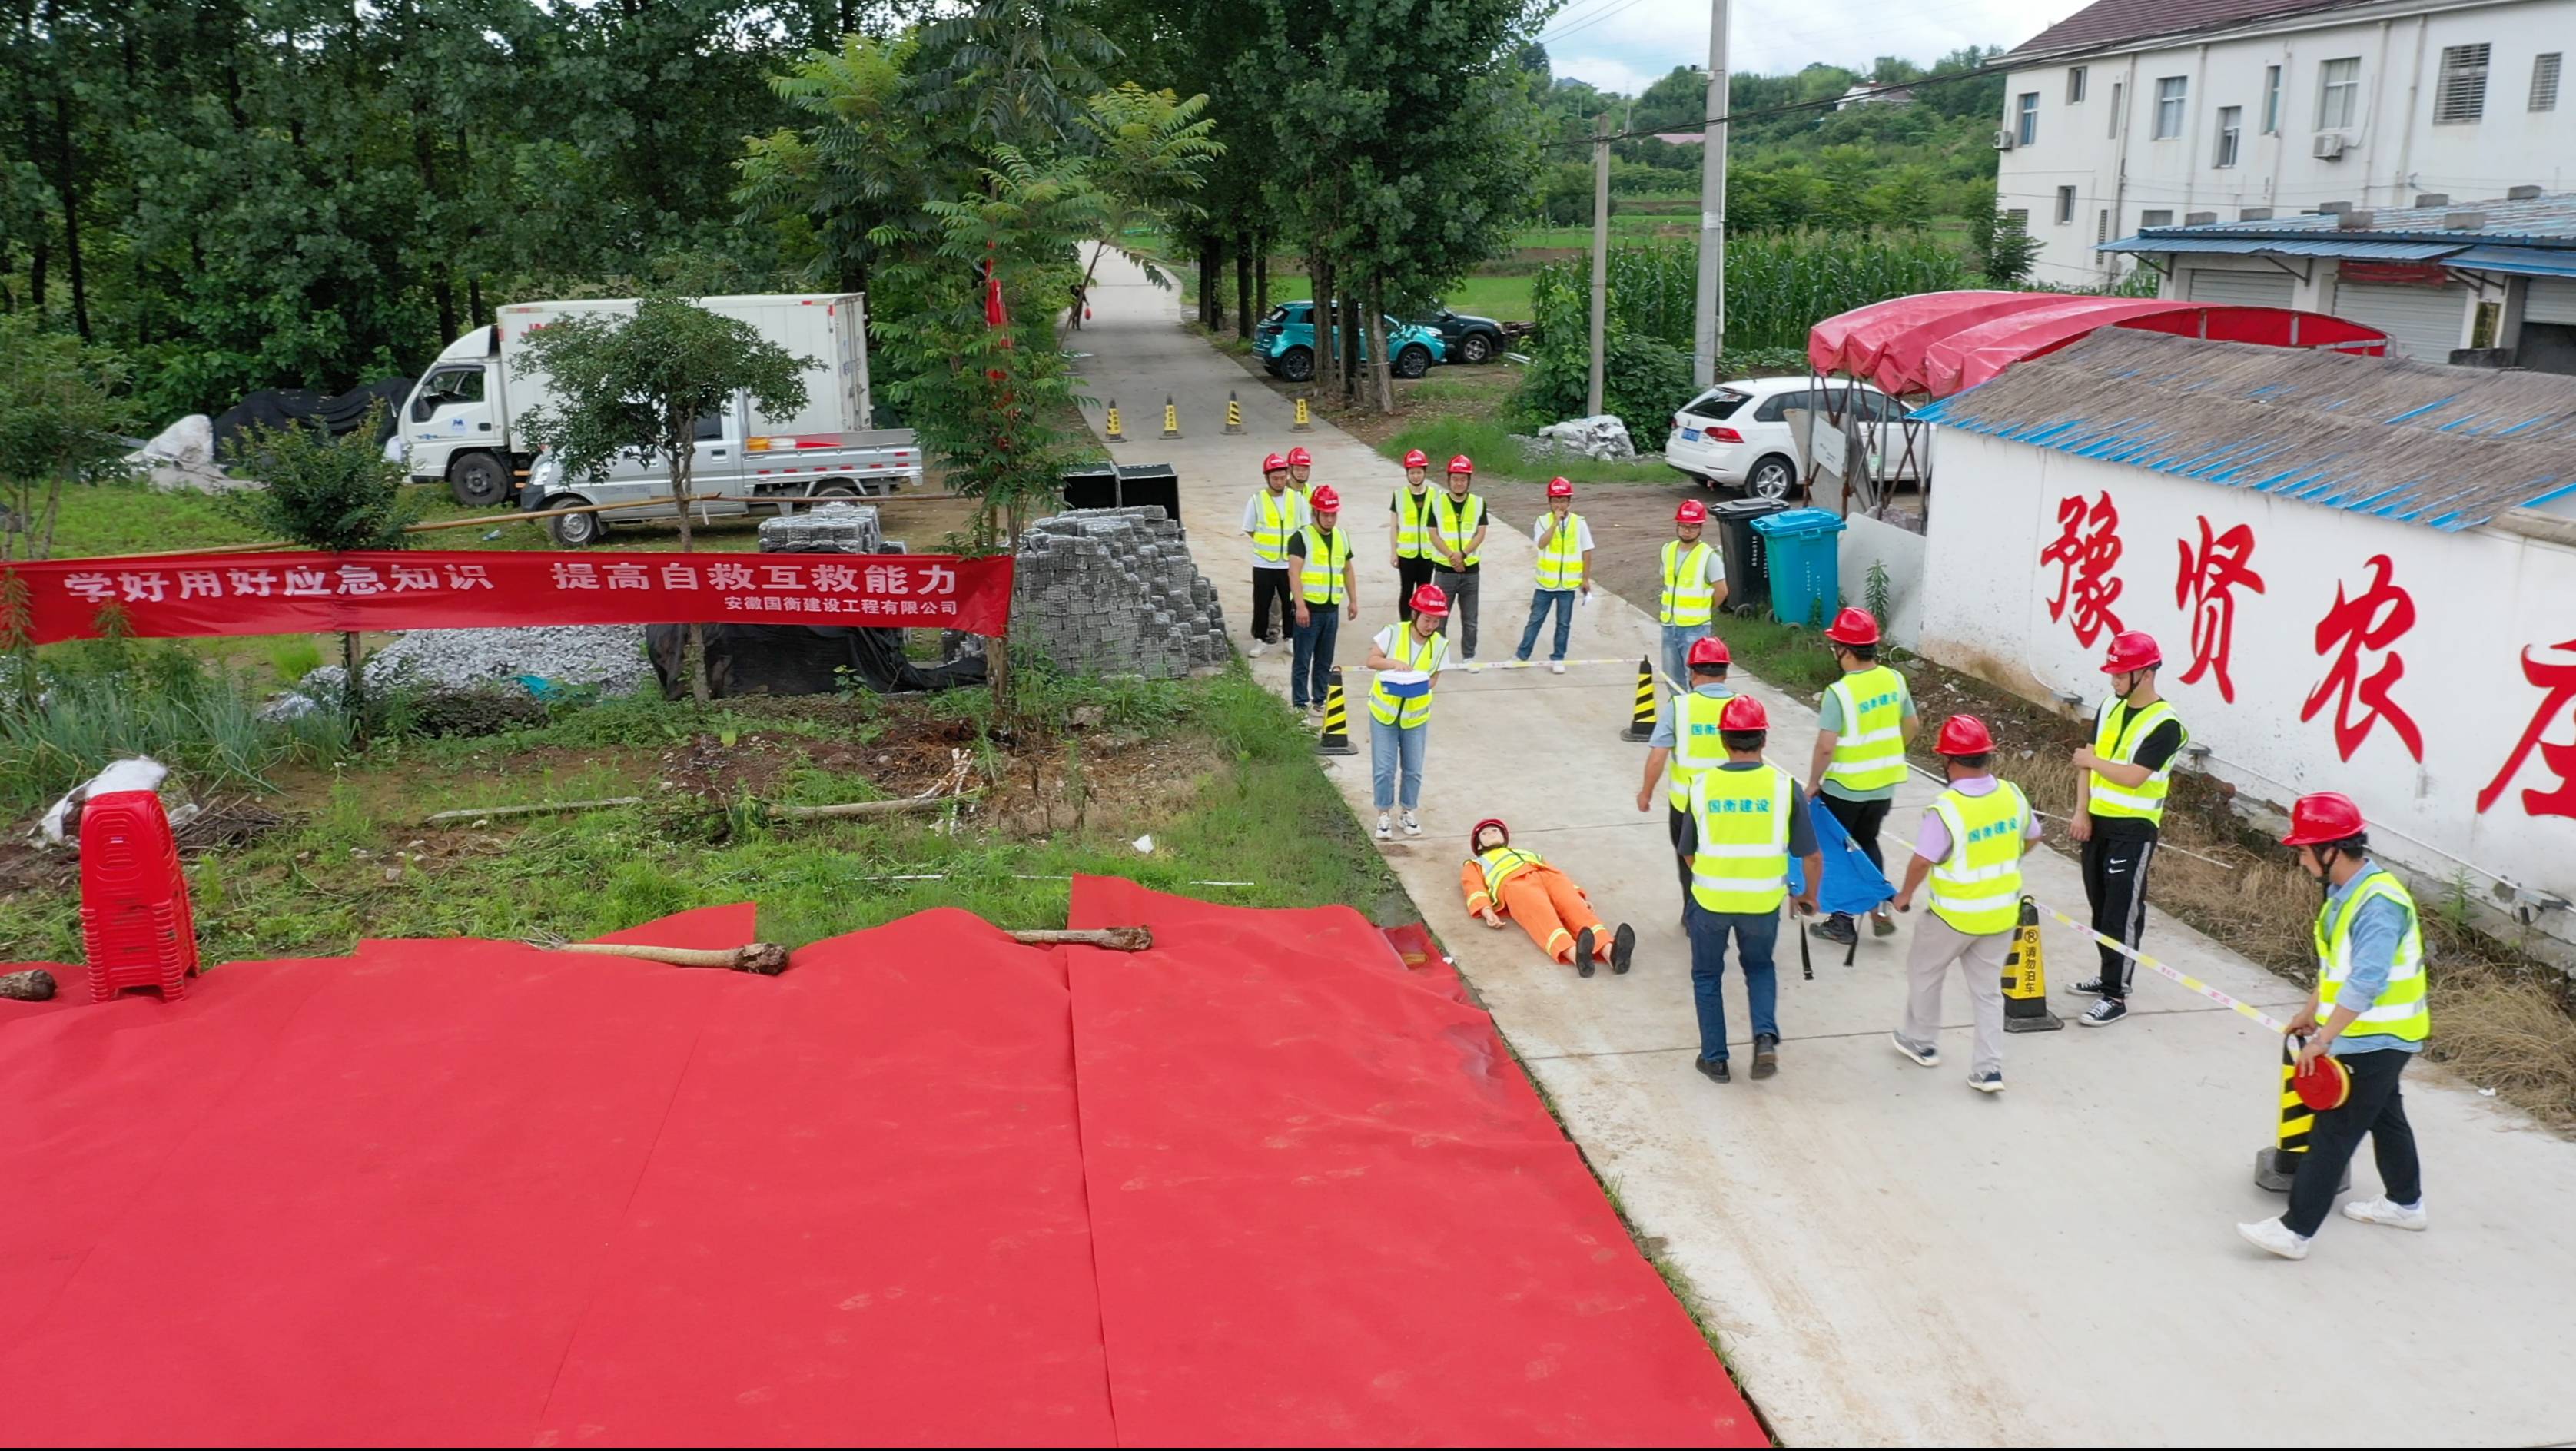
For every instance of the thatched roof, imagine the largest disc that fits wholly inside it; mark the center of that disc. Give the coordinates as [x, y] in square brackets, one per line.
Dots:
[2420, 442]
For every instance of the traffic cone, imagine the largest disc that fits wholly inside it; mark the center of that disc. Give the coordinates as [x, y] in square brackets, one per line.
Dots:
[2276, 1166]
[1171, 417]
[1233, 413]
[1641, 722]
[1336, 739]
[2026, 979]
[1115, 434]
[1304, 424]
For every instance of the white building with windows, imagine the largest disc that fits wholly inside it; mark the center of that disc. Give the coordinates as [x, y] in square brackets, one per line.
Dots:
[2133, 114]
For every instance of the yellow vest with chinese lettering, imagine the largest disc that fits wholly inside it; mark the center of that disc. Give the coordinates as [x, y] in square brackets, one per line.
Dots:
[1411, 652]
[1977, 887]
[1560, 556]
[1689, 598]
[1412, 533]
[1324, 581]
[2400, 1010]
[1742, 819]
[1697, 743]
[1281, 513]
[2118, 732]
[1502, 863]
[1453, 525]
[1869, 750]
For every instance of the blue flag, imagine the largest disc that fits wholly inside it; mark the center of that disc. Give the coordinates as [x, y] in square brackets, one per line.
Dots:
[1853, 884]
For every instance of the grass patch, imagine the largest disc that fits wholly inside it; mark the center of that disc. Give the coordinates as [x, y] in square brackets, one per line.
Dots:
[1488, 442]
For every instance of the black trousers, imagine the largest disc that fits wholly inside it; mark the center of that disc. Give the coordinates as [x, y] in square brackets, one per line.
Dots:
[1410, 575]
[1674, 820]
[2115, 882]
[2375, 1108]
[1269, 594]
[1861, 821]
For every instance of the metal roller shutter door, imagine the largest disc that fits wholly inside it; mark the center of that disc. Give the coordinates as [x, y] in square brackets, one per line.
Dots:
[2551, 299]
[2423, 323]
[2244, 289]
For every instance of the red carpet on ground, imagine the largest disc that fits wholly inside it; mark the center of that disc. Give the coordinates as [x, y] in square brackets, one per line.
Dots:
[1261, 1184]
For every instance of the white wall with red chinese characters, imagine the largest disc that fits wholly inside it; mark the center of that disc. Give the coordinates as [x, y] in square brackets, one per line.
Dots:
[2022, 589]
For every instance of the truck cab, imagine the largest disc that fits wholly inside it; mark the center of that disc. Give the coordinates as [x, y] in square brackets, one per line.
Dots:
[452, 428]
[739, 464]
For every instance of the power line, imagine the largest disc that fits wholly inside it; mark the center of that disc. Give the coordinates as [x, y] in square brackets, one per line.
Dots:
[1596, 19]
[1854, 95]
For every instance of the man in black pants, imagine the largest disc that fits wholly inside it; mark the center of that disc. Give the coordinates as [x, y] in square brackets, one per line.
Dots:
[1411, 535]
[1457, 539]
[1271, 517]
[2120, 786]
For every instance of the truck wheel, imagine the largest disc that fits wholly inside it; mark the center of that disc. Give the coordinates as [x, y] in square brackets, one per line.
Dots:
[575, 531]
[1413, 362]
[478, 479]
[1475, 348]
[828, 490]
[1297, 364]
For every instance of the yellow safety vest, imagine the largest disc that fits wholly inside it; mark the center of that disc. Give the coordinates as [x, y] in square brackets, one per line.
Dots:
[1742, 818]
[1560, 559]
[1977, 887]
[1689, 599]
[1453, 526]
[1869, 751]
[1502, 863]
[1412, 539]
[1280, 517]
[2400, 1010]
[1697, 745]
[1325, 584]
[2117, 733]
[1412, 652]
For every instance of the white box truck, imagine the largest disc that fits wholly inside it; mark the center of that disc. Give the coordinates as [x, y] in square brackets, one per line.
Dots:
[461, 425]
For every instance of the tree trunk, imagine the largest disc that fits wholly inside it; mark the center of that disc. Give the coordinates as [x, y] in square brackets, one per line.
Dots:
[1211, 261]
[681, 433]
[1328, 359]
[67, 188]
[1385, 369]
[353, 685]
[1243, 313]
[1261, 277]
[1350, 330]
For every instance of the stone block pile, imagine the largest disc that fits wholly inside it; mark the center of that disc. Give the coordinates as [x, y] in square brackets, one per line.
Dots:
[1113, 592]
[1601, 436]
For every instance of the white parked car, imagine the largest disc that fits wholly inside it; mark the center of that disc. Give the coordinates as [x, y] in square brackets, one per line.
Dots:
[1737, 434]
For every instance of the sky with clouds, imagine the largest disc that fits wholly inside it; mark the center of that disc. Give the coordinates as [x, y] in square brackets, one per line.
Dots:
[1623, 45]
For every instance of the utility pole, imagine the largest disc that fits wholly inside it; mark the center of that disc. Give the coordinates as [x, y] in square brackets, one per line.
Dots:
[1600, 250]
[1708, 332]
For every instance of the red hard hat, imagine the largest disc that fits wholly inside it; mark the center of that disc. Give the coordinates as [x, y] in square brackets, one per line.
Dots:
[1273, 464]
[1964, 735]
[1430, 600]
[2132, 650]
[1856, 626]
[1324, 500]
[1461, 464]
[1298, 456]
[1415, 458]
[2321, 817]
[1558, 488]
[1709, 650]
[1743, 713]
[1692, 511]
[1477, 833]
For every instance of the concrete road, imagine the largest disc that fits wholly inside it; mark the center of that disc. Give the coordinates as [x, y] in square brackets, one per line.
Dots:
[1890, 1258]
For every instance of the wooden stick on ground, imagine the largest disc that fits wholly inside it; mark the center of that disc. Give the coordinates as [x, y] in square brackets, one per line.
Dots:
[864, 808]
[1116, 939]
[477, 813]
[768, 959]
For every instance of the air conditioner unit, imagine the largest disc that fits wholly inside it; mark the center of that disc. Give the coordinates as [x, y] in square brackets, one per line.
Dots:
[2003, 141]
[2329, 146]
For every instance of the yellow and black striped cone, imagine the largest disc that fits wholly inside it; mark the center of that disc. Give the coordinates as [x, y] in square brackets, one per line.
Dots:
[1233, 413]
[1336, 739]
[1171, 417]
[2026, 979]
[1305, 423]
[1115, 436]
[2277, 1165]
[1641, 722]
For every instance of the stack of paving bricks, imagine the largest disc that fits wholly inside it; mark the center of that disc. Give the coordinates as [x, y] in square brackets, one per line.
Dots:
[1113, 592]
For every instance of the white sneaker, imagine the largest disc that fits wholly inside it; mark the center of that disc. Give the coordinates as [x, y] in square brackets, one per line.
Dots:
[2384, 1211]
[1927, 1055]
[1412, 824]
[1556, 667]
[1475, 668]
[1385, 827]
[1257, 647]
[2274, 1237]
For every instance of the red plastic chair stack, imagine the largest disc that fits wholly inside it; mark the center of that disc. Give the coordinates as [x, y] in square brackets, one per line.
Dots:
[135, 920]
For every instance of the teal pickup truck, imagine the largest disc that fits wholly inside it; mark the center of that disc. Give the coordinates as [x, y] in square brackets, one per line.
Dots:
[1285, 343]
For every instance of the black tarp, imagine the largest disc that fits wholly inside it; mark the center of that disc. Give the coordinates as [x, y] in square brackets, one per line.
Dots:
[278, 407]
[802, 660]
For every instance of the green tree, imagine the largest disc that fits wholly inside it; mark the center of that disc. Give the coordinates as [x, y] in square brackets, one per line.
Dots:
[641, 382]
[1149, 158]
[62, 416]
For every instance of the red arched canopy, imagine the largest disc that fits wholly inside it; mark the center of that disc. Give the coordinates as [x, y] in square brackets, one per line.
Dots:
[1941, 343]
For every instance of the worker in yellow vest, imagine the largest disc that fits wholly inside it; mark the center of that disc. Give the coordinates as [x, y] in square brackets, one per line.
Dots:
[1686, 734]
[1301, 470]
[1404, 664]
[1501, 880]
[1273, 513]
[1970, 846]
[1746, 820]
[1564, 571]
[2120, 786]
[1409, 541]
[1328, 592]
[1862, 726]
[1457, 547]
[1694, 579]
[2369, 1013]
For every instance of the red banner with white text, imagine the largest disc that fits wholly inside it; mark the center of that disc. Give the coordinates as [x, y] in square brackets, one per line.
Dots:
[292, 592]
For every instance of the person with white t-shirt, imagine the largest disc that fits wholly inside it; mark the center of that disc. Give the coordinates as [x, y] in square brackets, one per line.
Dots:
[1564, 571]
[1405, 661]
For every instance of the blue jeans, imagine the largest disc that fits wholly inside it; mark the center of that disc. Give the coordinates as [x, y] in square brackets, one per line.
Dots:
[1389, 745]
[1310, 665]
[1677, 643]
[1756, 933]
[1542, 601]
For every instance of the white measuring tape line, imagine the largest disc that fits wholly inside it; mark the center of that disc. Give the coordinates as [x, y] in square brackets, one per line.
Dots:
[2161, 844]
[1514, 664]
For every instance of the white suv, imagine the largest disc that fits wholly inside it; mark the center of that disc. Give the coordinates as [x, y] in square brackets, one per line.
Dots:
[1735, 433]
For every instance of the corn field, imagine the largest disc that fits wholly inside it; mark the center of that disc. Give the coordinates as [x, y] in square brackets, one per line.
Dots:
[1778, 285]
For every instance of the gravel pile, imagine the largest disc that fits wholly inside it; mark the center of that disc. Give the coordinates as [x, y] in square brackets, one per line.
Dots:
[1600, 437]
[608, 656]
[1113, 592]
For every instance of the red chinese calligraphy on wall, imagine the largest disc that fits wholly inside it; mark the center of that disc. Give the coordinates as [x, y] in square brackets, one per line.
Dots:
[2086, 549]
[2205, 586]
[2559, 683]
[2372, 621]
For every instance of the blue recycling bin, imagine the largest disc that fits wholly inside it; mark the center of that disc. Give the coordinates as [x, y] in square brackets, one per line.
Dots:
[1804, 565]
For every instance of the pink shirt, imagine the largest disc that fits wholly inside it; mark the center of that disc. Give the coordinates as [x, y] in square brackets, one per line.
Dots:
[1932, 839]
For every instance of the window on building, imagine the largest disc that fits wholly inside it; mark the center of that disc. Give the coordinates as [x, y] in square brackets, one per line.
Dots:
[2026, 118]
[2544, 82]
[2162, 217]
[2065, 205]
[2338, 93]
[2114, 132]
[2074, 85]
[2461, 95]
[2231, 129]
[2101, 226]
[2485, 324]
[2169, 100]
[2271, 100]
